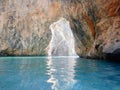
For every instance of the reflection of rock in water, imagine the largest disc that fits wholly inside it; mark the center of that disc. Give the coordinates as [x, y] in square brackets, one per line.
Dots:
[62, 42]
[62, 74]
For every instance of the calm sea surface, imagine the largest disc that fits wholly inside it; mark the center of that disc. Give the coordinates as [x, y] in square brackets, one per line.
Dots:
[58, 73]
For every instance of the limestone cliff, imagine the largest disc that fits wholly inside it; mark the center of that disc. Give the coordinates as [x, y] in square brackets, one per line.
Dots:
[24, 26]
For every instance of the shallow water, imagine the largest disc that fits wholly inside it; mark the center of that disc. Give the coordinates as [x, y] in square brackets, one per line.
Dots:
[58, 73]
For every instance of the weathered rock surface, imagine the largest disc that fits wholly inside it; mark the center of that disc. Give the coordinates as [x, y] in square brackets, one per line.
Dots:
[62, 42]
[24, 26]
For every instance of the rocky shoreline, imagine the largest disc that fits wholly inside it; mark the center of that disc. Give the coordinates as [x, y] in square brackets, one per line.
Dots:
[24, 26]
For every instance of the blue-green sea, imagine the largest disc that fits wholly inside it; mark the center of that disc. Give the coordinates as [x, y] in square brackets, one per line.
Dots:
[58, 73]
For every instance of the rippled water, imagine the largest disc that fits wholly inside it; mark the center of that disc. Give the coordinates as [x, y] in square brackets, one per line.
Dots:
[58, 73]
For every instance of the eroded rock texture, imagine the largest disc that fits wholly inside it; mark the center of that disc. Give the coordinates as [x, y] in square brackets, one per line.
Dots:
[24, 26]
[62, 42]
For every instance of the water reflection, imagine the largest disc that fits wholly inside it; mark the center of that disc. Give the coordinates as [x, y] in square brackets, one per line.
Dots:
[23, 73]
[61, 72]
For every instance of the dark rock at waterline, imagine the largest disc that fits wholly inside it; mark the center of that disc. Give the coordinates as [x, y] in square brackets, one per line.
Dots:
[24, 26]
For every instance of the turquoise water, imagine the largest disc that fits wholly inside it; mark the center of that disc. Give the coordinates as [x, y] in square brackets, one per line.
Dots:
[58, 73]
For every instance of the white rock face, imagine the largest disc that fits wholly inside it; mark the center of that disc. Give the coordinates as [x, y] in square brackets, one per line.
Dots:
[62, 42]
